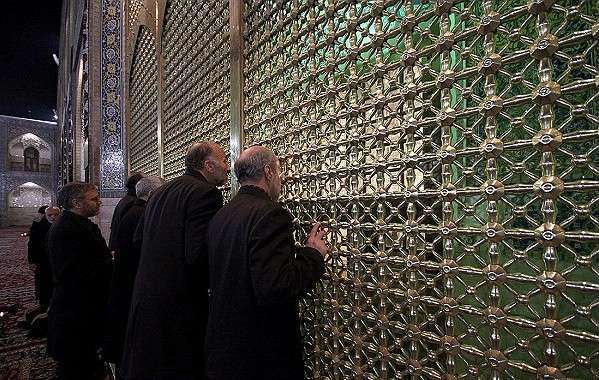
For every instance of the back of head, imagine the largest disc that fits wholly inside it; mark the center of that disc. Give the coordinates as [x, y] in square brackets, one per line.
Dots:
[71, 191]
[132, 181]
[249, 167]
[42, 210]
[147, 185]
[197, 153]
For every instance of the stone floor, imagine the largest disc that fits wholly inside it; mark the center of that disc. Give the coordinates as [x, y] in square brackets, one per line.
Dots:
[21, 357]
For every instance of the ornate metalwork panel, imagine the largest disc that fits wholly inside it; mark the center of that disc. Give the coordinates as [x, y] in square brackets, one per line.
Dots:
[196, 78]
[451, 149]
[143, 92]
[134, 9]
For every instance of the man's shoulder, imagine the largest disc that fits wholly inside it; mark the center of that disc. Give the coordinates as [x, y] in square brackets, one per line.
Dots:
[255, 205]
[62, 226]
[187, 182]
[134, 211]
[125, 200]
[182, 190]
[35, 225]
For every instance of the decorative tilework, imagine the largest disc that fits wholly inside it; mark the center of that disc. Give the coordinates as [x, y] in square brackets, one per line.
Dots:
[112, 166]
[85, 76]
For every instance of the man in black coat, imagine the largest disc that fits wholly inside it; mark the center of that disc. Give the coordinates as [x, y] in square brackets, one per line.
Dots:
[165, 332]
[37, 256]
[256, 277]
[81, 268]
[126, 260]
[37, 319]
[121, 208]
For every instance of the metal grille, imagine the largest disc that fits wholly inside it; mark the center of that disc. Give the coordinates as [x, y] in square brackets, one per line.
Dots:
[196, 74]
[451, 149]
[143, 90]
[135, 6]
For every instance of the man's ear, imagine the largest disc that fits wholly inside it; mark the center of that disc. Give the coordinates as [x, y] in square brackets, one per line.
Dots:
[267, 172]
[76, 203]
[208, 165]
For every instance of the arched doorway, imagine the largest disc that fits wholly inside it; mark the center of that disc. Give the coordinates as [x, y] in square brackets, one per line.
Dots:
[29, 152]
[23, 202]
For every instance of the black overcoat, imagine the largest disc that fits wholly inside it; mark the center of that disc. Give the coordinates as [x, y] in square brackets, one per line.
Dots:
[256, 276]
[168, 313]
[37, 253]
[120, 210]
[126, 260]
[81, 268]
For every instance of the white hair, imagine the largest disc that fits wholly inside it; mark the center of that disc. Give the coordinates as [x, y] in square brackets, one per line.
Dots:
[147, 185]
[51, 208]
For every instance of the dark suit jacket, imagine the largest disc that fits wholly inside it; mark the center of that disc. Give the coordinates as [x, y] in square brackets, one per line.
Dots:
[256, 277]
[126, 260]
[37, 241]
[119, 211]
[81, 268]
[169, 306]
[37, 253]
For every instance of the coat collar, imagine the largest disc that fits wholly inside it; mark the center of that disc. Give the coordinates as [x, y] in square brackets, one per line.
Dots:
[195, 174]
[78, 218]
[139, 202]
[254, 190]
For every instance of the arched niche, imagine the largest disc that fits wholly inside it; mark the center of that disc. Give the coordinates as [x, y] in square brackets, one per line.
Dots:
[24, 201]
[29, 152]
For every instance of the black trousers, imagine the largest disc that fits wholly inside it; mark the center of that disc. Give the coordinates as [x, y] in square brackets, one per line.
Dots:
[89, 368]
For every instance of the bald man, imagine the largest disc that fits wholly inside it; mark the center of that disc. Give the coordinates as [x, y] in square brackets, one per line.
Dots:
[165, 331]
[256, 277]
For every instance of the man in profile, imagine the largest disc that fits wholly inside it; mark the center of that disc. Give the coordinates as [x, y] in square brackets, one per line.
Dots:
[81, 267]
[256, 277]
[121, 208]
[126, 261]
[167, 321]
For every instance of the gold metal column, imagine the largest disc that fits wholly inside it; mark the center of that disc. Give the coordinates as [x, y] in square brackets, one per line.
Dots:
[237, 101]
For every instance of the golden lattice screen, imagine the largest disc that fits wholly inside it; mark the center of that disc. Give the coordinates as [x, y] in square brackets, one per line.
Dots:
[143, 92]
[196, 77]
[451, 149]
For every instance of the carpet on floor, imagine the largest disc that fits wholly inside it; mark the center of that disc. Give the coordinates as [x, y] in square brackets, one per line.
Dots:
[21, 357]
